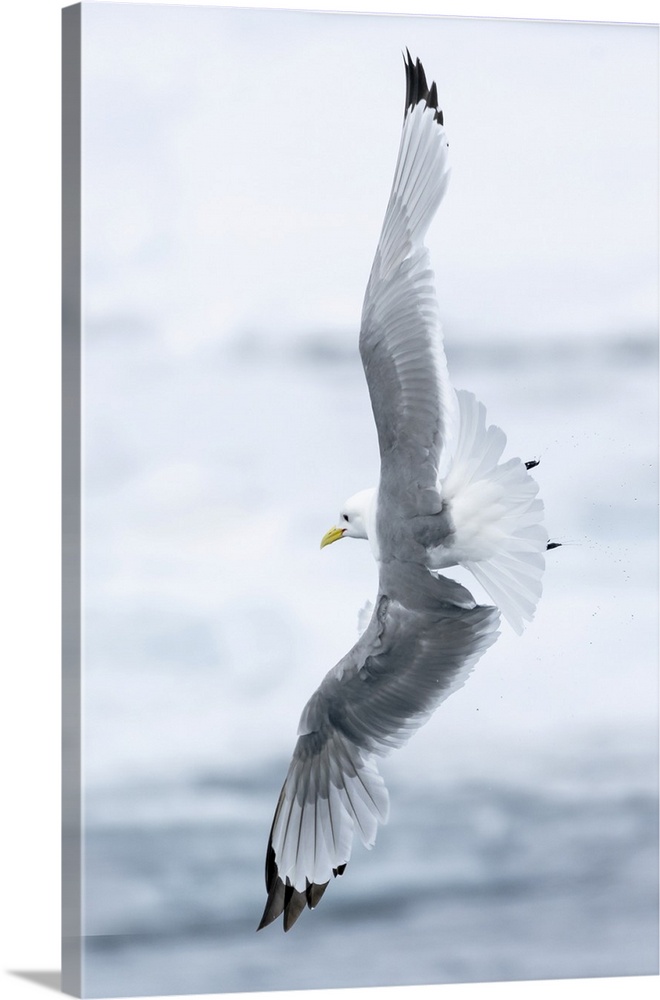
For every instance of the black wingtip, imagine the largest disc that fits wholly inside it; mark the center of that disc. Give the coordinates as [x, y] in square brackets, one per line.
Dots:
[314, 891]
[283, 900]
[274, 904]
[417, 89]
[553, 545]
[294, 903]
[287, 902]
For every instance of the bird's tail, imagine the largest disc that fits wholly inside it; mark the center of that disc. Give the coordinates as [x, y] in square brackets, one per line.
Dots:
[498, 518]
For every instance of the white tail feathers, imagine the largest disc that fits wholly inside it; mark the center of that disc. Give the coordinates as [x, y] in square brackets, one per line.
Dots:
[498, 519]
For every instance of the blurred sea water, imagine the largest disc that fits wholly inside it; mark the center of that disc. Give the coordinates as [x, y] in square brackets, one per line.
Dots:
[524, 820]
[472, 881]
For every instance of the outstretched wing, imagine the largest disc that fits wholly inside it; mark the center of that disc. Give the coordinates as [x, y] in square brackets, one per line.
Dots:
[400, 336]
[426, 632]
[403, 666]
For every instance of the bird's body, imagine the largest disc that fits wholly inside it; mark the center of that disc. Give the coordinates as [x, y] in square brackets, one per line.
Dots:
[443, 498]
[490, 520]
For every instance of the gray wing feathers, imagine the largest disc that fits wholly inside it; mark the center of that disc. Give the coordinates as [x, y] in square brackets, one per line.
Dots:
[400, 336]
[421, 177]
[404, 665]
[401, 353]
[425, 633]
[418, 661]
[332, 791]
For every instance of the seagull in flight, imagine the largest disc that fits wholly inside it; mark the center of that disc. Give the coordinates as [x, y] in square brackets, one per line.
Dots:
[444, 498]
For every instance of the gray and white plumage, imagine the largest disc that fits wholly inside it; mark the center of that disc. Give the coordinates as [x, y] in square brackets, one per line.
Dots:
[426, 631]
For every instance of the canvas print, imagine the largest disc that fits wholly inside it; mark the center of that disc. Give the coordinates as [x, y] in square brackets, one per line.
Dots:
[360, 500]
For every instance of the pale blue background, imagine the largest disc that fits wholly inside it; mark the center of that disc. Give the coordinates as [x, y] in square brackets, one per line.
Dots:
[236, 167]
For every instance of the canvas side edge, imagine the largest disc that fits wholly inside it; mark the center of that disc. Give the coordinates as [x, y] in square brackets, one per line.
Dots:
[71, 504]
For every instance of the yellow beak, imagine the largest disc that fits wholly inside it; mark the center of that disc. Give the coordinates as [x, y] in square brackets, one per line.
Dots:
[331, 536]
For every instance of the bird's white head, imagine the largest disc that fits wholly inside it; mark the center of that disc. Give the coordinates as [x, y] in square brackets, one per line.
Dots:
[354, 518]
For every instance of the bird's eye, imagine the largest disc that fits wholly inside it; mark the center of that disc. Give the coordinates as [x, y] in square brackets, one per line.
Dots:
[345, 517]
